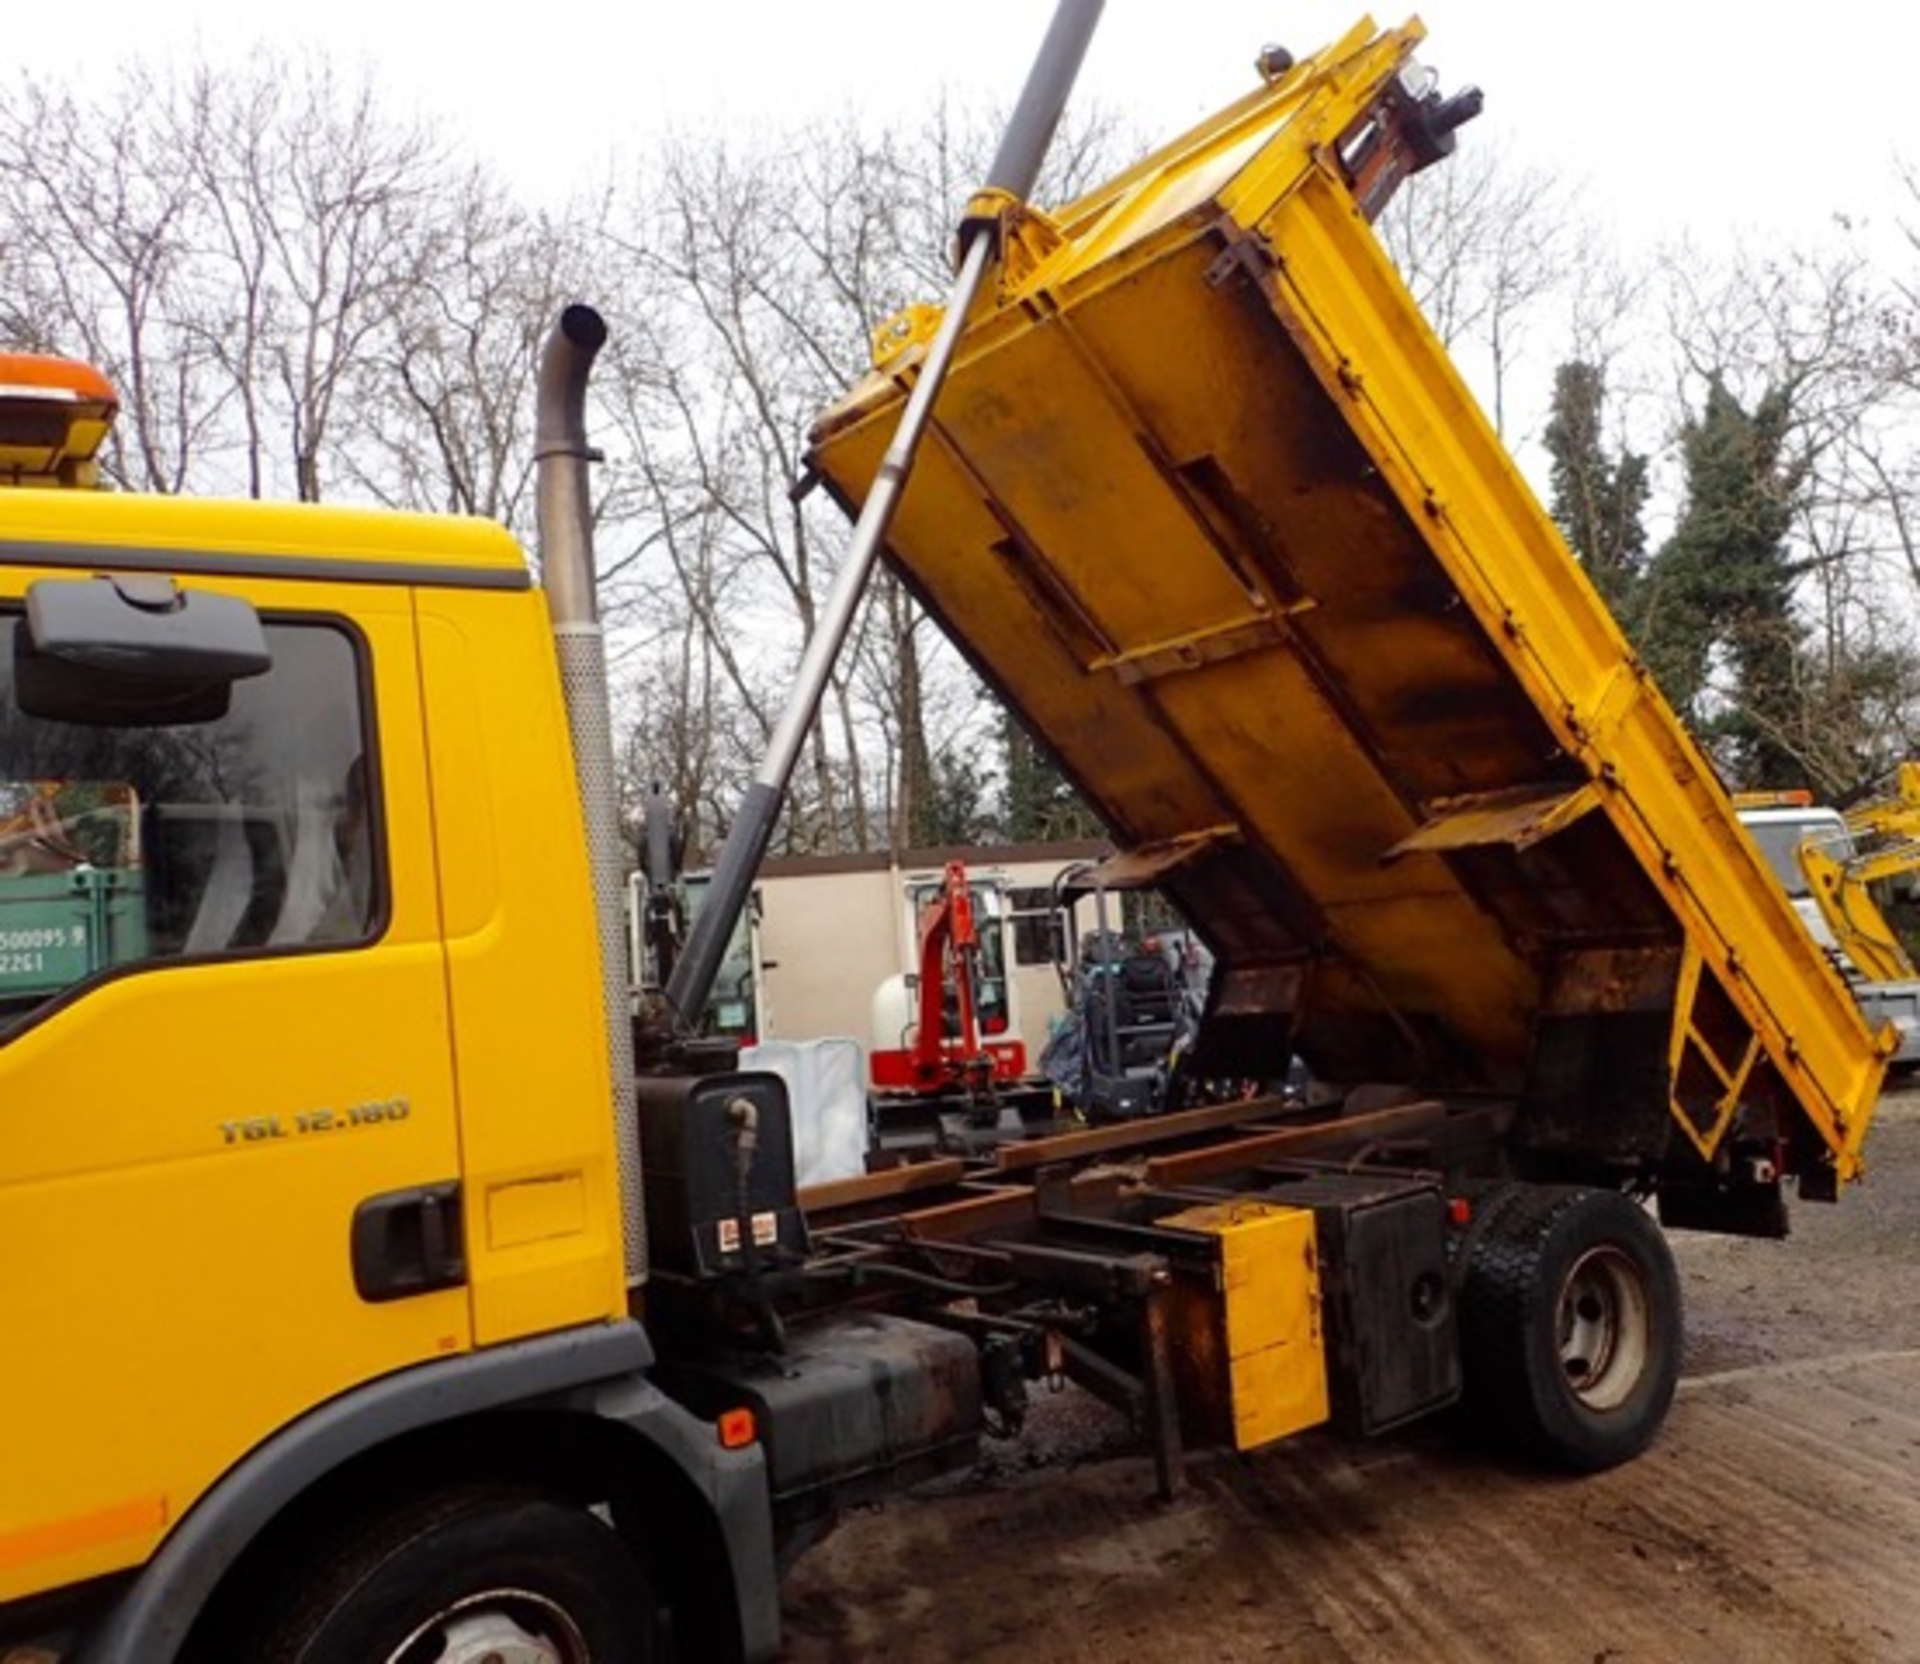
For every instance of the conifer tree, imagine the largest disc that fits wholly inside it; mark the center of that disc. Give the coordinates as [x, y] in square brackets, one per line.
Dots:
[1598, 500]
[1717, 620]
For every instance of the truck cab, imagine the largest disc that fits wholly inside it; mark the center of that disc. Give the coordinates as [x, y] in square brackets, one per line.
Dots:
[309, 1176]
[323, 1280]
[280, 1086]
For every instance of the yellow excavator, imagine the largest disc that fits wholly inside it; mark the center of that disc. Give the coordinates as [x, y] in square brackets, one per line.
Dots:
[1879, 843]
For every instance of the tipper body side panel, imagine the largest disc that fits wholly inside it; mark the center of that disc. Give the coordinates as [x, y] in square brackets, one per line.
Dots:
[1208, 502]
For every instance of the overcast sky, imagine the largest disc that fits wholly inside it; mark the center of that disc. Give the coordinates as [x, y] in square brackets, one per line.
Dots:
[1688, 115]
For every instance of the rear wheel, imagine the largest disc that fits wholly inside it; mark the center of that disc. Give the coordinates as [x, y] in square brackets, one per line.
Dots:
[1570, 1326]
[474, 1576]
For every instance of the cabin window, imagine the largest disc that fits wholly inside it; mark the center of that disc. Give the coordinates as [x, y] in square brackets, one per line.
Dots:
[135, 842]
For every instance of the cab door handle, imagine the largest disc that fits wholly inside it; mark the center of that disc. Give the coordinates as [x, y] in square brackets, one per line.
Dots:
[408, 1242]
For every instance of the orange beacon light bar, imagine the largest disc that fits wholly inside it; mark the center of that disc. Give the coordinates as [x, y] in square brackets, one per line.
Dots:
[54, 417]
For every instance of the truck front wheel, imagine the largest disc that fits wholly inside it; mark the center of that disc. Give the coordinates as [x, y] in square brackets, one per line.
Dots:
[465, 1576]
[1570, 1326]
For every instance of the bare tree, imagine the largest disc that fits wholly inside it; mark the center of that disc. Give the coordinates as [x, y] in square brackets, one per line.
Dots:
[442, 394]
[242, 252]
[766, 269]
[98, 207]
[323, 196]
[1482, 244]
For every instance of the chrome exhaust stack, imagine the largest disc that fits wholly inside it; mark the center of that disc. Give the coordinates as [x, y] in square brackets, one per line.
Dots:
[564, 506]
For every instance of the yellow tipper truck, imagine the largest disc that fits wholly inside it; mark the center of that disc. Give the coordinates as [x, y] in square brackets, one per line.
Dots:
[1206, 500]
[368, 1296]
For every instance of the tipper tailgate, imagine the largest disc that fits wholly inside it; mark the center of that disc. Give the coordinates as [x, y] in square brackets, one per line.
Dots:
[1206, 500]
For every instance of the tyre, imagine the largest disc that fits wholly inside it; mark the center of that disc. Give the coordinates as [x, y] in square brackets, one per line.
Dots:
[1570, 1326]
[463, 1577]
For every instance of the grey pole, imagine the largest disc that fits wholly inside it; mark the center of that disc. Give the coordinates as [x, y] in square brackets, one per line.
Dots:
[1016, 166]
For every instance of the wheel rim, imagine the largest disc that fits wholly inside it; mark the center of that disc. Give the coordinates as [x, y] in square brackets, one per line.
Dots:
[498, 1626]
[1605, 1328]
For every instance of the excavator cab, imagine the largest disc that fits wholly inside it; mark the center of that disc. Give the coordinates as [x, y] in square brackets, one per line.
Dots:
[1133, 994]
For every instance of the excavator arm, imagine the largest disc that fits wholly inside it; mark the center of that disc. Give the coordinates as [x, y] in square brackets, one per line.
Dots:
[1896, 815]
[1842, 889]
[1882, 842]
[949, 969]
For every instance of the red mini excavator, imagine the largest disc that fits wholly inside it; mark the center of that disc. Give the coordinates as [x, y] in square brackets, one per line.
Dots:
[958, 1079]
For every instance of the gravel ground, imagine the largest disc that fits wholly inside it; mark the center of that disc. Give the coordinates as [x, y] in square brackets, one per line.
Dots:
[1778, 1518]
[1844, 1281]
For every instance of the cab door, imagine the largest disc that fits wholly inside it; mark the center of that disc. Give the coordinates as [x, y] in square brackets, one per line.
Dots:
[228, 1152]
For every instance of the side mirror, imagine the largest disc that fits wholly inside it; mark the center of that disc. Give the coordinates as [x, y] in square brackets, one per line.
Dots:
[133, 651]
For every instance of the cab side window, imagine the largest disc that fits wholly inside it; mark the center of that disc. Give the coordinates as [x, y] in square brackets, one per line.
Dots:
[249, 833]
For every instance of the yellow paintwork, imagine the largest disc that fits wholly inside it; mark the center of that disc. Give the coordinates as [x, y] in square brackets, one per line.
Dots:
[171, 1296]
[522, 963]
[1252, 1348]
[353, 536]
[1205, 497]
[1888, 830]
[1897, 815]
[1842, 891]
